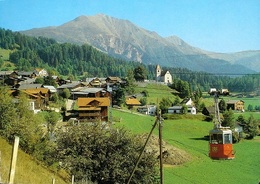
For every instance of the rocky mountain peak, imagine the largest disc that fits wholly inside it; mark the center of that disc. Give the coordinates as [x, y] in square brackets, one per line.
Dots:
[122, 38]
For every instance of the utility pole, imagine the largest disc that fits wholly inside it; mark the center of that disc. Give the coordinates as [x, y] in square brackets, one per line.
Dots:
[159, 118]
[139, 158]
[160, 145]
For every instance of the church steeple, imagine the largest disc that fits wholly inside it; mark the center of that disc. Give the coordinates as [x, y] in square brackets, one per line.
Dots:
[158, 72]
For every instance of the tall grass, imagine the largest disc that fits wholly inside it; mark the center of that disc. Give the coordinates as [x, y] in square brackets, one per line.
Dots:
[28, 171]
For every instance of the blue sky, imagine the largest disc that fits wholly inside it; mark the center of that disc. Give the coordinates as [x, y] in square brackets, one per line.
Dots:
[213, 25]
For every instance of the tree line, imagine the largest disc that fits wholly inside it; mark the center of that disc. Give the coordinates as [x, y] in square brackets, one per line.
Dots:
[81, 61]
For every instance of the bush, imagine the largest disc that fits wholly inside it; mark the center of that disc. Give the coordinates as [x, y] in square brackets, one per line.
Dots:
[235, 136]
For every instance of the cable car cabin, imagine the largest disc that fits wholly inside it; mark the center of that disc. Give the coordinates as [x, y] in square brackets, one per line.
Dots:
[220, 143]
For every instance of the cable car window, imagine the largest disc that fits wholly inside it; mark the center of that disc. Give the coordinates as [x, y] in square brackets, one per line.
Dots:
[214, 139]
[220, 139]
[227, 139]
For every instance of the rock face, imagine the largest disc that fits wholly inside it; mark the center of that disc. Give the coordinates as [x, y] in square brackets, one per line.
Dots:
[121, 38]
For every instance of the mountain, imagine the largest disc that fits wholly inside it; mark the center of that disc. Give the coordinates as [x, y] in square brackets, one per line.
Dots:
[250, 58]
[121, 38]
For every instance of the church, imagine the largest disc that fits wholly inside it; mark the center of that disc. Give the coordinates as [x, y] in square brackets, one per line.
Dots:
[163, 76]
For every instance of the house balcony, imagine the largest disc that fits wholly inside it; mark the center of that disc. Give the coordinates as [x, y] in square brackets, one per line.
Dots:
[89, 114]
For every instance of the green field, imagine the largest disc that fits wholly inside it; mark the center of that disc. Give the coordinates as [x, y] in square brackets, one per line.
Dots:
[185, 134]
[155, 92]
[4, 54]
[189, 136]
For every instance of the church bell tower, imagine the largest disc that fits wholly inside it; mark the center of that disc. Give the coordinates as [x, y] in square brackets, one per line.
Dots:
[158, 73]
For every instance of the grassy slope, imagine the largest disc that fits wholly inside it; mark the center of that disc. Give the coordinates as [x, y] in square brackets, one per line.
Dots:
[4, 54]
[189, 136]
[27, 170]
[7, 65]
[156, 92]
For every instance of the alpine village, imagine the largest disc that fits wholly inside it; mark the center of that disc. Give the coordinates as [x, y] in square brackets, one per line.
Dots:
[78, 113]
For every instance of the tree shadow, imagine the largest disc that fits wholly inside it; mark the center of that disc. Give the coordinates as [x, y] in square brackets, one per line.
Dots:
[205, 138]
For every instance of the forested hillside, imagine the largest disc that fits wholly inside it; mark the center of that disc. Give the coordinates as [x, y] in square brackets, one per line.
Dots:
[67, 59]
[77, 61]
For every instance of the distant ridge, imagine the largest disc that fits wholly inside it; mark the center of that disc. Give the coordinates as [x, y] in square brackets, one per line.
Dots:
[121, 38]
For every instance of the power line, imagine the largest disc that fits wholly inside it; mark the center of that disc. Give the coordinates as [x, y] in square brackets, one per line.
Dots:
[213, 74]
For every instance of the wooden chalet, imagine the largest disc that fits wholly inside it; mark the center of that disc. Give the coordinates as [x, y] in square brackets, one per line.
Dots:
[43, 92]
[36, 100]
[29, 86]
[131, 102]
[70, 86]
[89, 92]
[93, 109]
[6, 74]
[237, 105]
[96, 82]
[27, 80]
[27, 74]
[113, 80]
[209, 111]
[9, 78]
[12, 81]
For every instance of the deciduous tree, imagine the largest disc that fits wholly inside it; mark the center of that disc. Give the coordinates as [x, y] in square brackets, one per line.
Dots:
[165, 104]
[16, 119]
[104, 156]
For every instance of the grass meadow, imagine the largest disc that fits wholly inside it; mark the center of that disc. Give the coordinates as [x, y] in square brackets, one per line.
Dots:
[4, 53]
[188, 135]
[155, 92]
[28, 171]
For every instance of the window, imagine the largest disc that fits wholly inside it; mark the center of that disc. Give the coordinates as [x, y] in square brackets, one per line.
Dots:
[216, 139]
[31, 105]
[227, 139]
